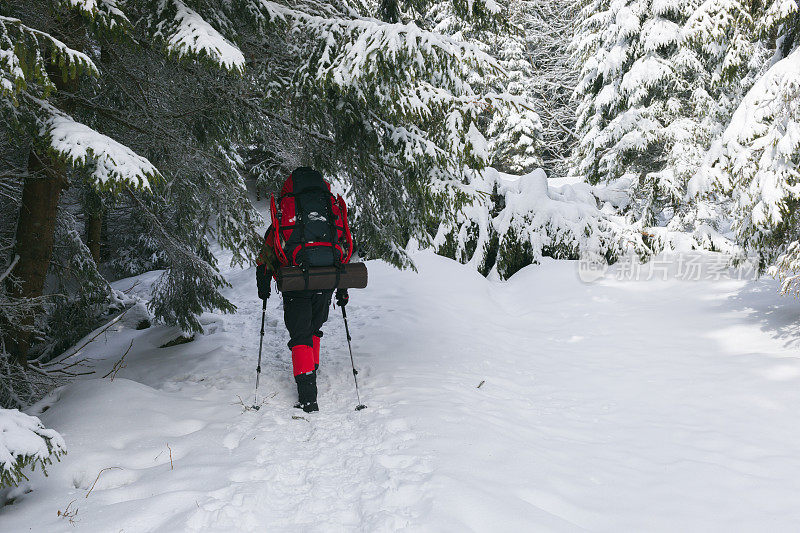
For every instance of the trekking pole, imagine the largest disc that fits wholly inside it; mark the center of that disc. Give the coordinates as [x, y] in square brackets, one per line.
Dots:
[360, 405]
[260, 347]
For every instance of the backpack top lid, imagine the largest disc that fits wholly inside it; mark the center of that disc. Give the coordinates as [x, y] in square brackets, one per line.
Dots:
[304, 179]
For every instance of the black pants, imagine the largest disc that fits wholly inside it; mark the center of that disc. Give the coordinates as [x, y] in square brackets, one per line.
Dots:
[304, 313]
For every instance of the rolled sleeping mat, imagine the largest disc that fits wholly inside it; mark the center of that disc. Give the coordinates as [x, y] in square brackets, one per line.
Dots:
[351, 276]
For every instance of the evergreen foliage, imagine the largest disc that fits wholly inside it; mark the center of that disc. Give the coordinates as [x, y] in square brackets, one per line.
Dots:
[24, 442]
[645, 104]
[753, 166]
[690, 108]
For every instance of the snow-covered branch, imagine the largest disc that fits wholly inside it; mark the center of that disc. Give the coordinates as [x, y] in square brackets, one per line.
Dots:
[106, 13]
[19, 43]
[114, 164]
[188, 33]
[24, 442]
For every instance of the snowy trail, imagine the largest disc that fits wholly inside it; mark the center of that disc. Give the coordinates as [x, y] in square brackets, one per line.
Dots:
[617, 406]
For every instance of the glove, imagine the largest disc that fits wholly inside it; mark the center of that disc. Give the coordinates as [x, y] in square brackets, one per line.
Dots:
[342, 297]
[263, 282]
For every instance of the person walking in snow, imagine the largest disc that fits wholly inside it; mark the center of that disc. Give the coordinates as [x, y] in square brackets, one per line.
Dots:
[309, 229]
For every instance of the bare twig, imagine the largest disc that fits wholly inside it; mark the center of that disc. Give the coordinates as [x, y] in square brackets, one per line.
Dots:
[119, 365]
[481, 383]
[171, 465]
[69, 514]
[62, 370]
[79, 362]
[246, 407]
[5, 274]
[98, 477]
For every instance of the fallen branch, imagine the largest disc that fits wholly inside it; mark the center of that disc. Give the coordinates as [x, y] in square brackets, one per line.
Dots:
[79, 362]
[103, 330]
[129, 289]
[51, 372]
[246, 407]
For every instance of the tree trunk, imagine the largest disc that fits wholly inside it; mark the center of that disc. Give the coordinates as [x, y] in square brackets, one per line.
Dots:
[34, 245]
[94, 227]
[36, 226]
[93, 213]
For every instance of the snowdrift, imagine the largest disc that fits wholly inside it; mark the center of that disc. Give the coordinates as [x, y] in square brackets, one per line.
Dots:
[592, 414]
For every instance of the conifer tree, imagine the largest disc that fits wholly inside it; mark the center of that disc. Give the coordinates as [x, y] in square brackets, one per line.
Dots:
[644, 112]
[754, 161]
[548, 28]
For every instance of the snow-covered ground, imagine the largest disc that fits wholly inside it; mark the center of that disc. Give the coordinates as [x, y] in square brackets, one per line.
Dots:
[614, 406]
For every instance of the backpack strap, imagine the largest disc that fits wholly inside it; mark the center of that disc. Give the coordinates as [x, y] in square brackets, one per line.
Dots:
[276, 226]
[337, 255]
[347, 234]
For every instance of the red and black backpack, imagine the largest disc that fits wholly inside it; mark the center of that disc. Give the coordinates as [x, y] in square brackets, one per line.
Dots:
[310, 224]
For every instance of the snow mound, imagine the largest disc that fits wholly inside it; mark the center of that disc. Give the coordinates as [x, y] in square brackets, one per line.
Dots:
[517, 220]
[137, 316]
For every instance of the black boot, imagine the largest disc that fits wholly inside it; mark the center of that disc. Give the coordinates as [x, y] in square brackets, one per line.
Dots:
[307, 392]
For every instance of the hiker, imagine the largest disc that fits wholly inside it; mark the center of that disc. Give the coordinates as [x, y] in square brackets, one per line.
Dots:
[313, 232]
